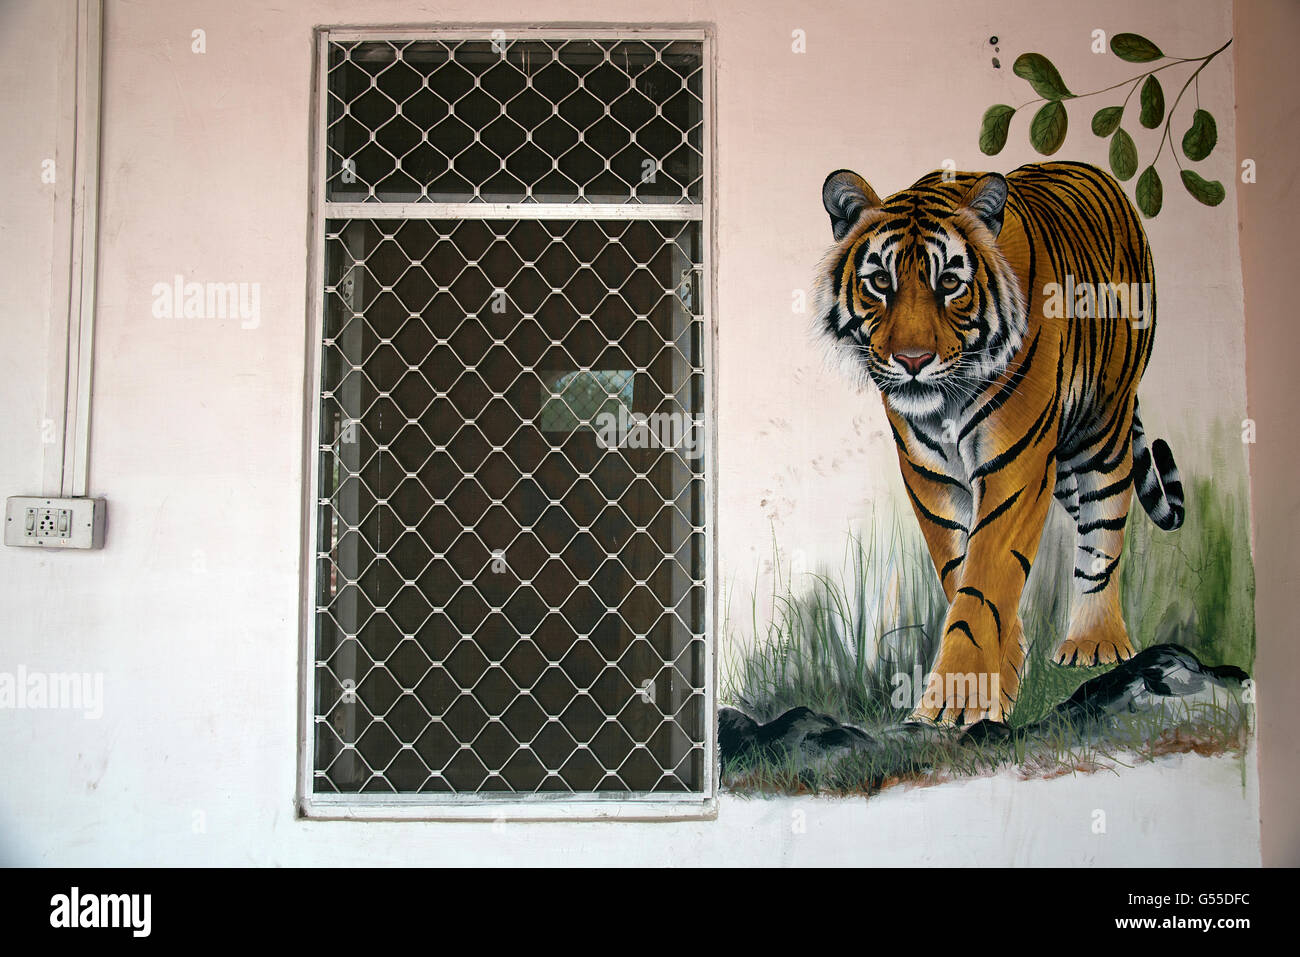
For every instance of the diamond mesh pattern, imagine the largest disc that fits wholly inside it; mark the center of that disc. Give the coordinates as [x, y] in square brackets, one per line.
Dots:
[596, 121]
[503, 606]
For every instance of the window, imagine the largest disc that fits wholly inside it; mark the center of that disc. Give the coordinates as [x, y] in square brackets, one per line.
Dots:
[510, 590]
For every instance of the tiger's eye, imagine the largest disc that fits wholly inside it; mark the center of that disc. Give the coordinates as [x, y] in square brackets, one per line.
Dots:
[880, 281]
[949, 283]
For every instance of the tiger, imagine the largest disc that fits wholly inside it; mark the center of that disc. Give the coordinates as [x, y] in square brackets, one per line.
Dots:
[947, 297]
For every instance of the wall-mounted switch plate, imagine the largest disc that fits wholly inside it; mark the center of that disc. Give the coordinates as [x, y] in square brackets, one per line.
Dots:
[54, 522]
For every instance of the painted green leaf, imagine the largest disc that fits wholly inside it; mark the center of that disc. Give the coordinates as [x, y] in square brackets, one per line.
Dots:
[1123, 155]
[1047, 131]
[1134, 48]
[1105, 121]
[1201, 136]
[993, 131]
[1153, 104]
[1042, 76]
[1150, 192]
[1210, 192]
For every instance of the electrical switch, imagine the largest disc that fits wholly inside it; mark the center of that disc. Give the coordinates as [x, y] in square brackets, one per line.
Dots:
[54, 522]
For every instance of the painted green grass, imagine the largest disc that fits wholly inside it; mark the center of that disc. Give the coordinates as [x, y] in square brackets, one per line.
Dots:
[1196, 586]
[826, 645]
[838, 642]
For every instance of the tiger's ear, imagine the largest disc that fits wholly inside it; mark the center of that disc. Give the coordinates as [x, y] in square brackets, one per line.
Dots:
[845, 195]
[987, 199]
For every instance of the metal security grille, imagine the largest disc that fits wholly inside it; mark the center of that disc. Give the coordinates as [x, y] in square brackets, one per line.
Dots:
[510, 539]
[600, 121]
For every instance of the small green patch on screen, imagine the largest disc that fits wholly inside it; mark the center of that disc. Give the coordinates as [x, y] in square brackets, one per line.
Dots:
[573, 400]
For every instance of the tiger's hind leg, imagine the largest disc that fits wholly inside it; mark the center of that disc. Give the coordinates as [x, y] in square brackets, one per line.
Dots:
[1097, 634]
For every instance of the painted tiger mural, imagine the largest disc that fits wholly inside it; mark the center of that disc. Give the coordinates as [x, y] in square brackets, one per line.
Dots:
[1003, 392]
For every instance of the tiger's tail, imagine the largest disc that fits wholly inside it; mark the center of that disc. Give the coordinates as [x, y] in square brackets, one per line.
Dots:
[1155, 478]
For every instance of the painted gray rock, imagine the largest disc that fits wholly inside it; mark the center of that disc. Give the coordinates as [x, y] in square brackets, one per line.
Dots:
[1160, 686]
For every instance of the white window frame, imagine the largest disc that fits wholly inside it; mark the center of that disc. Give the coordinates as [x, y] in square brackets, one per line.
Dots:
[490, 806]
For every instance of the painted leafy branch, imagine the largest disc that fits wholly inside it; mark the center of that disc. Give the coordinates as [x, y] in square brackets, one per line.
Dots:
[1048, 127]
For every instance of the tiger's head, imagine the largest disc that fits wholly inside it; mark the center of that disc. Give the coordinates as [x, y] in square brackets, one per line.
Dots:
[915, 295]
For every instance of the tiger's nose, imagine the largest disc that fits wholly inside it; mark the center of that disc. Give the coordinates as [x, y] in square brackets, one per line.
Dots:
[913, 362]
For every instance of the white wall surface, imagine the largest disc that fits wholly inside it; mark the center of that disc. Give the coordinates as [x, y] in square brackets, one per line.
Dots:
[191, 611]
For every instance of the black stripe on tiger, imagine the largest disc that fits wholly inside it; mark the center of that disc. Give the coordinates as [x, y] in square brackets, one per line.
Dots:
[993, 609]
[1096, 495]
[1024, 562]
[1110, 524]
[937, 477]
[999, 461]
[939, 520]
[996, 513]
[963, 627]
[1102, 578]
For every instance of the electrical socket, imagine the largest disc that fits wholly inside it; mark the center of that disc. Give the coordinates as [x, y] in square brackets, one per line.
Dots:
[54, 522]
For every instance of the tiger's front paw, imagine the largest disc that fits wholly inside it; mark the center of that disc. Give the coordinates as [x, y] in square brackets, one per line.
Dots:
[960, 699]
[1087, 652]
